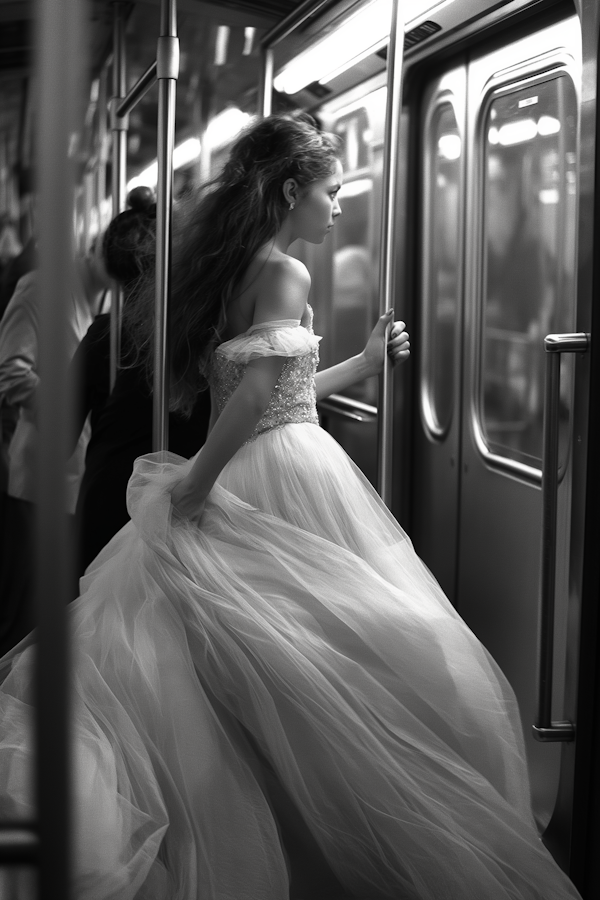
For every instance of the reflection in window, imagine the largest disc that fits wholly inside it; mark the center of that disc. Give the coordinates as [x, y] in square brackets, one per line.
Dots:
[354, 130]
[355, 259]
[442, 266]
[528, 259]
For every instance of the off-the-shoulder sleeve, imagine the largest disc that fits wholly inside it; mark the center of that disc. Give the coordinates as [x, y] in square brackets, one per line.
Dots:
[269, 340]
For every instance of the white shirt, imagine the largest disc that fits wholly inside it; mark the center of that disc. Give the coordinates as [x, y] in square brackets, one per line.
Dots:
[19, 377]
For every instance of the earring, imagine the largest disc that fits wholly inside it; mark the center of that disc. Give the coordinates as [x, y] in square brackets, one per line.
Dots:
[292, 204]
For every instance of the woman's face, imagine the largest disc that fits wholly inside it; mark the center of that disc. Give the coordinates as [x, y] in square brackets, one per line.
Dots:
[317, 207]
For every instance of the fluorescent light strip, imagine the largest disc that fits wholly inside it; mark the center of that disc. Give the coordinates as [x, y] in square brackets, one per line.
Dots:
[360, 35]
[365, 29]
[183, 154]
[249, 34]
[226, 126]
[221, 45]
[522, 130]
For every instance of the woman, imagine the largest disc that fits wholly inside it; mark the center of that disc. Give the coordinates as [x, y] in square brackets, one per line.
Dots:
[263, 627]
[121, 417]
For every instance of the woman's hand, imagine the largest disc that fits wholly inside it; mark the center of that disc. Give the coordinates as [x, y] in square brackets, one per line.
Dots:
[187, 502]
[398, 345]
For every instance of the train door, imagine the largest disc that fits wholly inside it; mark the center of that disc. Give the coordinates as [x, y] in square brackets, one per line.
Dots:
[499, 201]
[436, 476]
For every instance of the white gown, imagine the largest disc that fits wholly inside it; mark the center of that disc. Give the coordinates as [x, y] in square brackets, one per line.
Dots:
[296, 625]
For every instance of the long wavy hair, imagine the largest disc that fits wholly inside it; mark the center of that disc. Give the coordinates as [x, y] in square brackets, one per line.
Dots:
[217, 232]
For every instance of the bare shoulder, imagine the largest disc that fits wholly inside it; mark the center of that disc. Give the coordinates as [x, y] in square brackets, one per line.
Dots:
[281, 289]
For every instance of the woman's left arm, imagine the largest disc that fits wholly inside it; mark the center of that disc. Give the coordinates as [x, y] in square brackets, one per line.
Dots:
[370, 362]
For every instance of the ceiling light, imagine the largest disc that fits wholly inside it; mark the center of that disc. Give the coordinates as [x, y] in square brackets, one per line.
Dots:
[548, 125]
[549, 196]
[226, 126]
[183, 154]
[517, 132]
[449, 146]
[354, 38]
[249, 35]
[186, 152]
[221, 45]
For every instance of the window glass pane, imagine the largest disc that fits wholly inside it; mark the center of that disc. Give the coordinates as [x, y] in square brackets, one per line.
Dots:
[528, 260]
[442, 265]
[355, 241]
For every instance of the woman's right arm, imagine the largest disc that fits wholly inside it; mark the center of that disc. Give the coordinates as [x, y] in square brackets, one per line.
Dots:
[231, 430]
[281, 294]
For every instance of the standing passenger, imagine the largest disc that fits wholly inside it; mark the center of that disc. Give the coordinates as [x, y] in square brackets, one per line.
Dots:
[121, 418]
[264, 615]
[19, 378]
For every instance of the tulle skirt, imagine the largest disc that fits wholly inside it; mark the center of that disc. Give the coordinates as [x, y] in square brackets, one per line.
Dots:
[294, 627]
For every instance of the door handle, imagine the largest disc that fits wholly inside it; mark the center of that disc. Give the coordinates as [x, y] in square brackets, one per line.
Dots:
[555, 345]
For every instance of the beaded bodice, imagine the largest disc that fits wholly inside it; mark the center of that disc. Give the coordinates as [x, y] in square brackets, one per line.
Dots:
[294, 396]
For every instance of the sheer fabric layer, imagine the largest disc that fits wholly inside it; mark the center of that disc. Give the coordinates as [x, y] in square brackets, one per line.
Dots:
[298, 613]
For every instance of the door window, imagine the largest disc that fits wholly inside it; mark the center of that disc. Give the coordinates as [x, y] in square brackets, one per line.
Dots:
[529, 199]
[355, 240]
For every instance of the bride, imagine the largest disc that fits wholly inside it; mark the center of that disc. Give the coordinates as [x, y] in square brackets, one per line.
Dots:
[260, 653]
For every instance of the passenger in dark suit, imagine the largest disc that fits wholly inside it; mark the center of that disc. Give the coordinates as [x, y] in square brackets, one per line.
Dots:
[121, 419]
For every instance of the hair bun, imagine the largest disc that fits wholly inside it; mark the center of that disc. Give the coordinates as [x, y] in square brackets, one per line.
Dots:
[141, 198]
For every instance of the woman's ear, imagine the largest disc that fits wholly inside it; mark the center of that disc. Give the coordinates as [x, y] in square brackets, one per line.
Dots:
[290, 191]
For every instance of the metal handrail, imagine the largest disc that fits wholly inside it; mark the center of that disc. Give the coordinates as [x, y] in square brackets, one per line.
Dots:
[339, 405]
[139, 90]
[119, 126]
[555, 345]
[265, 95]
[164, 71]
[386, 271]
[167, 71]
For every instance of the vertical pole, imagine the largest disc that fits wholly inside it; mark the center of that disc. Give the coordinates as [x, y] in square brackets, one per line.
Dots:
[167, 71]
[206, 96]
[266, 83]
[386, 272]
[102, 147]
[119, 127]
[59, 76]
[88, 203]
[4, 167]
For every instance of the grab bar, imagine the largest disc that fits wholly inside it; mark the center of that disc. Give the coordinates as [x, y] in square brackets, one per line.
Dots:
[387, 272]
[348, 408]
[544, 728]
[139, 90]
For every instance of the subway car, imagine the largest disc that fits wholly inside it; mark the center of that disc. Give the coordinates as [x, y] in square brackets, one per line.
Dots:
[469, 204]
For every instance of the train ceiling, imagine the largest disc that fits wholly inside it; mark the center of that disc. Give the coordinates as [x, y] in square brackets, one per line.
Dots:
[219, 66]
[16, 17]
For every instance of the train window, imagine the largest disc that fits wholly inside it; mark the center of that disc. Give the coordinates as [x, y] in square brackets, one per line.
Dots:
[355, 243]
[528, 289]
[441, 271]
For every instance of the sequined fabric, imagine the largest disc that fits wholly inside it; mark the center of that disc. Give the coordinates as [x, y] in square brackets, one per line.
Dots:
[294, 396]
